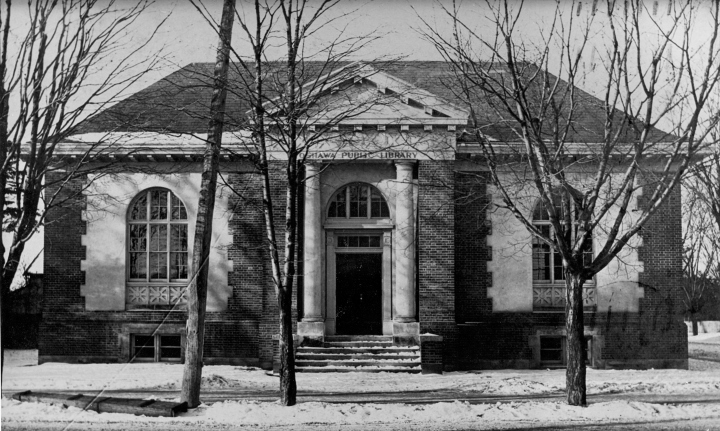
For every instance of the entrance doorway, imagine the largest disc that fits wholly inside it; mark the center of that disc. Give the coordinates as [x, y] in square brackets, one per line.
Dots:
[358, 282]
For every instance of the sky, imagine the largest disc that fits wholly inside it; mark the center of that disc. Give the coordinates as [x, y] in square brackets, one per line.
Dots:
[185, 37]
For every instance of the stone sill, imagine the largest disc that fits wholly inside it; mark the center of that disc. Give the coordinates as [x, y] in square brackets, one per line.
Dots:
[430, 338]
[360, 223]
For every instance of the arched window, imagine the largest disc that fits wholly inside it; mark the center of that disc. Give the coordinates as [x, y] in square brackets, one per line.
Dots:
[358, 200]
[157, 250]
[547, 264]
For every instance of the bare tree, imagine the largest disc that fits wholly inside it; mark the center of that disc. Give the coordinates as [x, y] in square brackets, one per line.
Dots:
[701, 236]
[522, 90]
[197, 291]
[71, 60]
[289, 115]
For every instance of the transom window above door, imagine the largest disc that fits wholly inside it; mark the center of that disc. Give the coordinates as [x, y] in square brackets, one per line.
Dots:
[358, 241]
[358, 200]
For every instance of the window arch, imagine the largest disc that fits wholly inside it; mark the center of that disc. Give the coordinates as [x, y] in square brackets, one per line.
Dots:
[547, 264]
[157, 251]
[358, 200]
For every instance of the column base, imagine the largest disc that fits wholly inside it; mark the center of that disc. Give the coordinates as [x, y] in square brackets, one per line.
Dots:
[311, 331]
[406, 333]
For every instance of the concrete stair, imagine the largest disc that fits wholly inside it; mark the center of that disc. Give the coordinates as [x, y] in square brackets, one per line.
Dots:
[358, 353]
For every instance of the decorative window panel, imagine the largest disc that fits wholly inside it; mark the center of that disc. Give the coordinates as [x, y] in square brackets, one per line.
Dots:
[553, 297]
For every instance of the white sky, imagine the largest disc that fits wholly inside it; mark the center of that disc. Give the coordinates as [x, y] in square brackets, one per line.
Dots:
[186, 37]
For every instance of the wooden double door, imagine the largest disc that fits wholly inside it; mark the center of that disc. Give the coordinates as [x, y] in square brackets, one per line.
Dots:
[358, 281]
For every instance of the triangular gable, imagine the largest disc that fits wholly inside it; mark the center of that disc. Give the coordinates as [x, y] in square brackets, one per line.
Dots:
[371, 96]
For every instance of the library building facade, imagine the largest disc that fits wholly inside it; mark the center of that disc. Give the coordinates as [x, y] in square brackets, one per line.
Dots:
[406, 259]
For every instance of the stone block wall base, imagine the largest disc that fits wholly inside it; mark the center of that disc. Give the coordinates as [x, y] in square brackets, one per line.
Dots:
[247, 362]
[645, 364]
[496, 364]
[431, 354]
[406, 333]
[432, 368]
[69, 359]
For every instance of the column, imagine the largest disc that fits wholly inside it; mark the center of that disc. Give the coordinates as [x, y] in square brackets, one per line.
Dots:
[404, 244]
[312, 323]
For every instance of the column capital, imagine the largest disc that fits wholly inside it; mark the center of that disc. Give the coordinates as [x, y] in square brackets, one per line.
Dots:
[407, 164]
[313, 167]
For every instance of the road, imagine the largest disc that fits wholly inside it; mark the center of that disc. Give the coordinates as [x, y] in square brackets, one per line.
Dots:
[405, 397]
[408, 397]
[673, 425]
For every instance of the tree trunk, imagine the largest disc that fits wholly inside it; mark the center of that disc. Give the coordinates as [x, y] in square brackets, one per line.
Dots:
[575, 346]
[197, 293]
[288, 385]
[693, 318]
[4, 112]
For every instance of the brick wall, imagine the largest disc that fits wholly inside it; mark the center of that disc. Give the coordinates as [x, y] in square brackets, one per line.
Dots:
[244, 330]
[63, 250]
[436, 251]
[250, 276]
[452, 284]
[657, 332]
[655, 336]
[270, 324]
[471, 254]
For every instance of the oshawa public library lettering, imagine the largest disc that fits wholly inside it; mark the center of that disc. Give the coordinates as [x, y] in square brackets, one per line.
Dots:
[356, 155]
[400, 248]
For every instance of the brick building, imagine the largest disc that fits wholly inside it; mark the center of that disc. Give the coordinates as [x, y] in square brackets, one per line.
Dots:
[399, 238]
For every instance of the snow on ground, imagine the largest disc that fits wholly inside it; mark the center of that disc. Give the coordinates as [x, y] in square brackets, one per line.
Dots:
[704, 352]
[56, 376]
[703, 380]
[258, 413]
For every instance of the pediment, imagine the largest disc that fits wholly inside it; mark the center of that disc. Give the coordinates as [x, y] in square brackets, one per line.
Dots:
[360, 94]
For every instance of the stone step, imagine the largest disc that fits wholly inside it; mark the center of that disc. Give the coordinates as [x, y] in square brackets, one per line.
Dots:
[357, 344]
[371, 363]
[358, 370]
[341, 356]
[358, 350]
[358, 353]
[334, 338]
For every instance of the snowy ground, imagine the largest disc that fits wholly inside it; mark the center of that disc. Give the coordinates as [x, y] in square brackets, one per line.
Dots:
[518, 397]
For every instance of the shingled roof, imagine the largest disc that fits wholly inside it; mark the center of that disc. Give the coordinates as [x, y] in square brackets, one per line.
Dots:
[179, 103]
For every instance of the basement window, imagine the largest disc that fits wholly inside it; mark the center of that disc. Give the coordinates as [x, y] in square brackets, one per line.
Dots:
[156, 348]
[553, 351]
